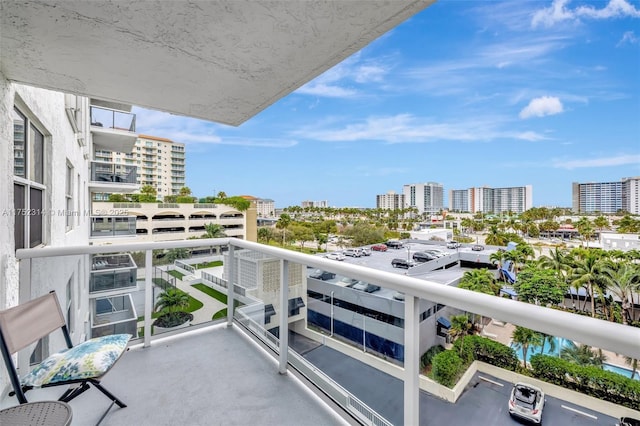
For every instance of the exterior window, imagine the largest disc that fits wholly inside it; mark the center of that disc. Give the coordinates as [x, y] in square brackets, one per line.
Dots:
[28, 188]
[40, 352]
[69, 304]
[69, 196]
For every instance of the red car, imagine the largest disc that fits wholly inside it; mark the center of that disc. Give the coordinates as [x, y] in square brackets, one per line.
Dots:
[379, 247]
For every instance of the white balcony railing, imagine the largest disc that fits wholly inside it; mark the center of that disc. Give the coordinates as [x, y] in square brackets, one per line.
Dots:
[615, 337]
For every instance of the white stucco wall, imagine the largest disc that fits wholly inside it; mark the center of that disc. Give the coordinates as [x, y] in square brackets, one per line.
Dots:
[26, 279]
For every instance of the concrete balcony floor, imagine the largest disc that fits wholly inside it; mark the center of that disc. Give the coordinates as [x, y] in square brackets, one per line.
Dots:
[211, 376]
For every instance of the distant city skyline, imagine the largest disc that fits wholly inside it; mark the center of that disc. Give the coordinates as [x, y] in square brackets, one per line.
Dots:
[467, 94]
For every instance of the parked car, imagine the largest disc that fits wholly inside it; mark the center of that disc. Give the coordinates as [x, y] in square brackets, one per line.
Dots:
[628, 421]
[477, 247]
[453, 244]
[398, 295]
[526, 401]
[336, 255]
[421, 256]
[435, 252]
[402, 263]
[347, 282]
[365, 286]
[366, 251]
[394, 244]
[353, 252]
[322, 275]
[379, 247]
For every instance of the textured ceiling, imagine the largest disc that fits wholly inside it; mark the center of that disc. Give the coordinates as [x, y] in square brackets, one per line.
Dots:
[215, 60]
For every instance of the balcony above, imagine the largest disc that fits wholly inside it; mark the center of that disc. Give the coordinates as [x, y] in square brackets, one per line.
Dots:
[113, 226]
[112, 177]
[158, 54]
[112, 129]
[113, 272]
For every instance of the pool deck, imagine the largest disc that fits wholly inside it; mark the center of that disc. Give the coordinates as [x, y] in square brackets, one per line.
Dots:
[501, 332]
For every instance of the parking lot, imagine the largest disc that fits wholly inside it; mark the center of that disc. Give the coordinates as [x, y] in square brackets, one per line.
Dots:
[483, 403]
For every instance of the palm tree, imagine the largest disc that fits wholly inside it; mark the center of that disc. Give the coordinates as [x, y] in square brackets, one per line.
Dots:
[622, 279]
[283, 223]
[523, 338]
[213, 230]
[586, 272]
[460, 326]
[583, 355]
[172, 303]
[634, 363]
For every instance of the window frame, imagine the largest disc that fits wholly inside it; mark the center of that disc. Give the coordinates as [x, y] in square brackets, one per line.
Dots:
[30, 216]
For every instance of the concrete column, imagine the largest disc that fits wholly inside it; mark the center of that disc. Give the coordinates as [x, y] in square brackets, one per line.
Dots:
[411, 360]
[284, 316]
[230, 284]
[148, 296]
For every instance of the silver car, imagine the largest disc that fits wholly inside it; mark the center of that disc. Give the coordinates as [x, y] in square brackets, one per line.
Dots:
[527, 402]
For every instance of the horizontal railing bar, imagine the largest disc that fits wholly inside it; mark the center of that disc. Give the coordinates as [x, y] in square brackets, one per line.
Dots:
[619, 338]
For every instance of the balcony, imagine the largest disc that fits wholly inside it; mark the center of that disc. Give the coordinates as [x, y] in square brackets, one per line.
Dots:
[242, 353]
[113, 226]
[113, 130]
[112, 272]
[113, 315]
[112, 177]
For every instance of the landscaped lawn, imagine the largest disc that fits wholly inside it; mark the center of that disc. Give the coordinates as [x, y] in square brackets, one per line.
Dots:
[208, 264]
[221, 297]
[176, 274]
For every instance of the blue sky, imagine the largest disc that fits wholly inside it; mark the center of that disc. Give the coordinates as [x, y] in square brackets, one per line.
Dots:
[466, 93]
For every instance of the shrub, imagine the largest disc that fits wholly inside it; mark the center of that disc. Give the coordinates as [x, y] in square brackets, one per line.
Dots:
[427, 358]
[446, 368]
[590, 380]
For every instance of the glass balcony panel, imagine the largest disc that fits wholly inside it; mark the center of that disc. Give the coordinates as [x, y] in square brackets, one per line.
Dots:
[113, 119]
[335, 324]
[112, 272]
[113, 315]
[112, 172]
[113, 226]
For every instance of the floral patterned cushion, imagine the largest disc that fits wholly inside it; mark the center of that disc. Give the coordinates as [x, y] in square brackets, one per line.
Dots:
[90, 359]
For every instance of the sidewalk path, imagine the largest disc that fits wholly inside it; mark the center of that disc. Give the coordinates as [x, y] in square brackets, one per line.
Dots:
[210, 305]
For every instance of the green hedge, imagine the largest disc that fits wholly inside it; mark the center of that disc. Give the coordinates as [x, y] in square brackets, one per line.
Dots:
[427, 358]
[589, 380]
[486, 350]
[446, 368]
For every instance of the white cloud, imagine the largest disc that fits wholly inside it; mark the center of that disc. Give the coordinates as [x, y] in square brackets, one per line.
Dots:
[539, 107]
[346, 79]
[619, 160]
[629, 37]
[192, 131]
[406, 128]
[559, 12]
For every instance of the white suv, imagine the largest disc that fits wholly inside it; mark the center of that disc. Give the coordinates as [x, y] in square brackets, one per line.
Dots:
[353, 252]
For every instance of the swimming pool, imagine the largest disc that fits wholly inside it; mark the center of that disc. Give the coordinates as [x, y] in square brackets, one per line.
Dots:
[621, 370]
[559, 343]
[547, 349]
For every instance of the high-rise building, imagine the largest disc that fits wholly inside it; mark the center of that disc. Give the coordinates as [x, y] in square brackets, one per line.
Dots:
[265, 207]
[390, 201]
[515, 199]
[320, 204]
[607, 197]
[156, 161]
[427, 198]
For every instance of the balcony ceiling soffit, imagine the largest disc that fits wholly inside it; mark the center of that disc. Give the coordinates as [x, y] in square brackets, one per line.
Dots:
[223, 61]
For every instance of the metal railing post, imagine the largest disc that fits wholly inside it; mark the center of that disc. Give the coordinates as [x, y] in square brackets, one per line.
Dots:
[148, 295]
[230, 285]
[284, 316]
[411, 360]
